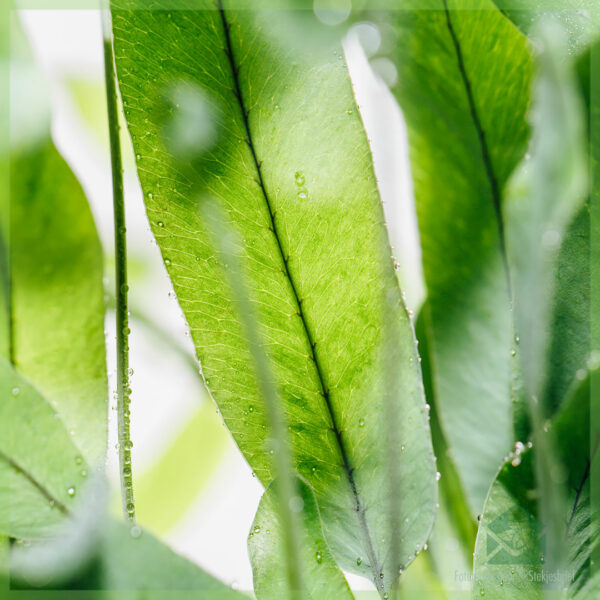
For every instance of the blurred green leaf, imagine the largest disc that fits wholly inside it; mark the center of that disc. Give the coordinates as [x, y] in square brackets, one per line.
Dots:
[41, 469]
[57, 303]
[167, 489]
[543, 197]
[580, 19]
[53, 371]
[112, 557]
[323, 578]
[291, 170]
[463, 81]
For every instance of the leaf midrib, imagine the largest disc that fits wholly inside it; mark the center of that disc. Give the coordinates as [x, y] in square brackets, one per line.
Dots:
[485, 153]
[348, 468]
[40, 488]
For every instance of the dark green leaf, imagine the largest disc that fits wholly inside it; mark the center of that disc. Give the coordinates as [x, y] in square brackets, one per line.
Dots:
[463, 81]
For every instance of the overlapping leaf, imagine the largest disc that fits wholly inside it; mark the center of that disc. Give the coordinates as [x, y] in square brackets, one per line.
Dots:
[463, 81]
[53, 374]
[284, 153]
[509, 554]
[323, 578]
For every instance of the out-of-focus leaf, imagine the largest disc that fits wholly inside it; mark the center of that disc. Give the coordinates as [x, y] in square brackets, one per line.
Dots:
[580, 19]
[570, 343]
[322, 576]
[544, 196]
[56, 295]
[463, 81]
[291, 169]
[168, 488]
[53, 363]
[509, 555]
[41, 469]
[112, 557]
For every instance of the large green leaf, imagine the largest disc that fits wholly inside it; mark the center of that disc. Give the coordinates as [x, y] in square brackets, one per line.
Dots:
[509, 553]
[463, 80]
[322, 576]
[285, 155]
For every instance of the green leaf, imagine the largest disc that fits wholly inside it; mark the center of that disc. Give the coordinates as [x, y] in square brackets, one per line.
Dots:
[98, 554]
[570, 338]
[280, 146]
[509, 550]
[145, 563]
[53, 372]
[579, 18]
[543, 197]
[41, 469]
[463, 80]
[322, 576]
[56, 295]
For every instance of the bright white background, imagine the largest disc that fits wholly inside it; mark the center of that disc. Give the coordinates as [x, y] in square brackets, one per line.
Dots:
[68, 45]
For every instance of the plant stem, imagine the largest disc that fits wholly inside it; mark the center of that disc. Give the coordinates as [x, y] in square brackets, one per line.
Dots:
[223, 238]
[121, 287]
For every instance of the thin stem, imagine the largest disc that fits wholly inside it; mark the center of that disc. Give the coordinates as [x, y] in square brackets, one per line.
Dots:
[121, 287]
[222, 237]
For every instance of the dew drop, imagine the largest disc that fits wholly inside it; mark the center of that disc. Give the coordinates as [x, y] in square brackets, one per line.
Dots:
[302, 195]
[319, 557]
[167, 261]
[71, 491]
[257, 529]
[129, 444]
[160, 224]
[138, 157]
[135, 532]
[150, 196]
[16, 391]
[359, 561]
[130, 508]
[438, 476]
[299, 178]
[83, 473]
[513, 352]
[361, 423]
[250, 408]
